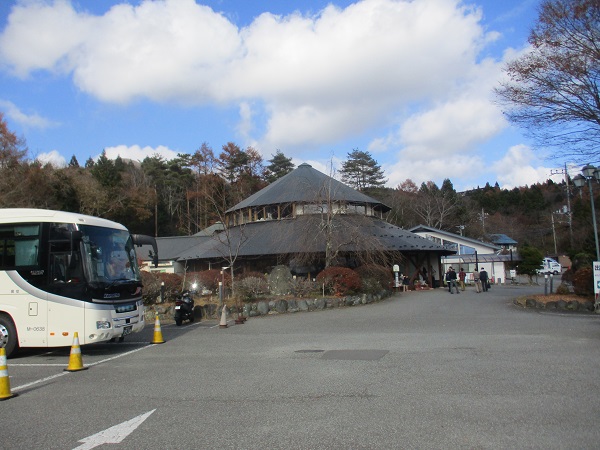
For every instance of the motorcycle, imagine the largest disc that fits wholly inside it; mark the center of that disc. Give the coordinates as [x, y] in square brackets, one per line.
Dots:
[184, 308]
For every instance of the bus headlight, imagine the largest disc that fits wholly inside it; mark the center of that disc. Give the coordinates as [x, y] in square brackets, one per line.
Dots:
[103, 324]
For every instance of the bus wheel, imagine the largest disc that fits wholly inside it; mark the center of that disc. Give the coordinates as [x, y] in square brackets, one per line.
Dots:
[8, 335]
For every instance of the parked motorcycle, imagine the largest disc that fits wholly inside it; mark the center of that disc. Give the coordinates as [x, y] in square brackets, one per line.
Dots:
[184, 308]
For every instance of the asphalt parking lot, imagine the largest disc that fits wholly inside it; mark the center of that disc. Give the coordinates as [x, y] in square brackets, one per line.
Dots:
[420, 370]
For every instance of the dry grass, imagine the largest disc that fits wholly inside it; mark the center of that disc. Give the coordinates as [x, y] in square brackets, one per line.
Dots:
[555, 297]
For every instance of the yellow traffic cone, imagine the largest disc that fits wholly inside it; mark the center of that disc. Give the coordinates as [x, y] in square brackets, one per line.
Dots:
[75, 361]
[223, 323]
[158, 337]
[4, 380]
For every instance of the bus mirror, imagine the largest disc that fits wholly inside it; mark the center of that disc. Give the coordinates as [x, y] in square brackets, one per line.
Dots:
[76, 237]
[142, 239]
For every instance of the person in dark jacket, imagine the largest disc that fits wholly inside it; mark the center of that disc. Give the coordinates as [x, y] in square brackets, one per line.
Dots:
[483, 277]
[451, 280]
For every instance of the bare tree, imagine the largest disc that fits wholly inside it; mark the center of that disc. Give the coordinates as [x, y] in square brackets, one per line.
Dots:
[435, 205]
[553, 90]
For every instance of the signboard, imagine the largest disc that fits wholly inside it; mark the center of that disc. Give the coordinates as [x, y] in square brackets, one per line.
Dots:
[513, 273]
[596, 282]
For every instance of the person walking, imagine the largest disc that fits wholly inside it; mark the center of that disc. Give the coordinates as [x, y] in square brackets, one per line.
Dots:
[477, 281]
[461, 278]
[451, 280]
[483, 277]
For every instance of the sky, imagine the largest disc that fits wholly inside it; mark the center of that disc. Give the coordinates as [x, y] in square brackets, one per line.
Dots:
[410, 82]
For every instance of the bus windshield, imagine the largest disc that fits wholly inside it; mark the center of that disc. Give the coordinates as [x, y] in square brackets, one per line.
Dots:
[109, 255]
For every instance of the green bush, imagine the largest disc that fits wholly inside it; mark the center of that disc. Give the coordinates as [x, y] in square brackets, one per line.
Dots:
[339, 281]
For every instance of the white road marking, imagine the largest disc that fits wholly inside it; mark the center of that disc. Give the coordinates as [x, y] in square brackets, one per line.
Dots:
[41, 380]
[113, 435]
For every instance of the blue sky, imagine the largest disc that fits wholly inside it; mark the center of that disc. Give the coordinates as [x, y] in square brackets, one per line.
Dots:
[409, 81]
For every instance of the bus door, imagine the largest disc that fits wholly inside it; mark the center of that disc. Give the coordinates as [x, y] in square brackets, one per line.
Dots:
[66, 287]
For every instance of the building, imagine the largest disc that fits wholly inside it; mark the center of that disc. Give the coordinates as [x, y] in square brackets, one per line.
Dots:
[307, 221]
[472, 254]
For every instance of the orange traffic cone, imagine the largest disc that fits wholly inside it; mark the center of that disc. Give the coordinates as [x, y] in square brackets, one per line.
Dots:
[223, 323]
[75, 361]
[158, 337]
[4, 380]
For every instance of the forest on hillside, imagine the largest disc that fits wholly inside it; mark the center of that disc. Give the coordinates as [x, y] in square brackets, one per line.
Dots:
[186, 194]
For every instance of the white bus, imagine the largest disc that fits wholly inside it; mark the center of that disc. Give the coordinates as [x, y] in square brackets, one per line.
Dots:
[62, 273]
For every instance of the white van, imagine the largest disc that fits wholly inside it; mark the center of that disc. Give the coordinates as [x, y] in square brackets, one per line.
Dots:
[549, 265]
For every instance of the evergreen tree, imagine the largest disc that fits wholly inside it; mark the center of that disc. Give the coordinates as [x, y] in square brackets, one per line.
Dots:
[106, 172]
[73, 162]
[361, 171]
[280, 166]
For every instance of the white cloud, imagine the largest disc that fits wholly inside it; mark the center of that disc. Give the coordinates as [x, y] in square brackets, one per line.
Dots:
[516, 168]
[410, 69]
[54, 158]
[320, 77]
[137, 153]
[26, 120]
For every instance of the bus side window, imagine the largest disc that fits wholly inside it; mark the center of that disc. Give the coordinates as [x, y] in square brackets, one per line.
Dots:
[26, 252]
[7, 253]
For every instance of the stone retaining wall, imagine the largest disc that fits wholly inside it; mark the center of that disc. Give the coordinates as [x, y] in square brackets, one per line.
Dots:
[267, 307]
[561, 305]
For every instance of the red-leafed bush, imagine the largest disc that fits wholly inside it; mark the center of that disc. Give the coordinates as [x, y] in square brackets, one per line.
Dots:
[583, 281]
[152, 283]
[340, 280]
[252, 274]
[209, 279]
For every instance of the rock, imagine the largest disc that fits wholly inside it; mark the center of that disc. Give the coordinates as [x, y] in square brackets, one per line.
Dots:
[561, 304]
[573, 305]
[262, 308]
[302, 305]
[587, 306]
[281, 306]
[551, 305]
[320, 303]
[280, 280]
[530, 303]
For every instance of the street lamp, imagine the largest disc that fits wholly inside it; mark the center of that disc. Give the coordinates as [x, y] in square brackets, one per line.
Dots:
[588, 173]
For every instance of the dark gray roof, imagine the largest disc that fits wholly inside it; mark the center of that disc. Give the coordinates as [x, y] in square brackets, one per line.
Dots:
[501, 239]
[300, 235]
[169, 248]
[305, 184]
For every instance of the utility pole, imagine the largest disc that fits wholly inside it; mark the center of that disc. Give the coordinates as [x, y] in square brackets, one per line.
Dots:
[568, 188]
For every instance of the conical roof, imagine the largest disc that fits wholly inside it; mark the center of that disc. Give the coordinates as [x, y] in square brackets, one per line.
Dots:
[307, 185]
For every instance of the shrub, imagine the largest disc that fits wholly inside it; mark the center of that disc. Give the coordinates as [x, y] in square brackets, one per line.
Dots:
[251, 287]
[583, 281]
[152, 283]
[562, 289]
[302, 287]
[375, 278]
[210, 278]
[252, 274]
[340, 280]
